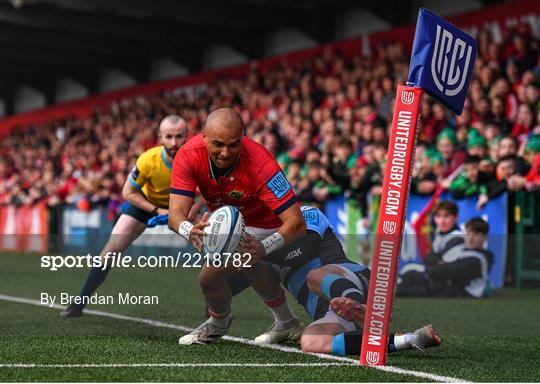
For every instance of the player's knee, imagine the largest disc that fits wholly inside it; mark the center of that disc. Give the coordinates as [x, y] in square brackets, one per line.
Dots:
[307, 343]
[314, 278]
[127, 225]
[254, 270]
[210, 280]
[206, 280]
[315, 343]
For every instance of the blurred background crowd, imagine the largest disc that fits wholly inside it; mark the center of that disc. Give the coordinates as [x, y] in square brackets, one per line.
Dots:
[326, 121]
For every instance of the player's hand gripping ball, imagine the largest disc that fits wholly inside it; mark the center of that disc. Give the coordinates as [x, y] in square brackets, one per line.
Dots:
[225, 232]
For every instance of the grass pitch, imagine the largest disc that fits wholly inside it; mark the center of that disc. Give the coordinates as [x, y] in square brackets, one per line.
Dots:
[484, 340]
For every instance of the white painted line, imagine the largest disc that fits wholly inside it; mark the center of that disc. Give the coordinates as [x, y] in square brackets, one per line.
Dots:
[161, 324]
[174, 365]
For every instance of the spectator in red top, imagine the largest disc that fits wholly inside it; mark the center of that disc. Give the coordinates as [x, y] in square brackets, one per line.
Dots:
[508, 146]
[288, 101]
[532, 152]
[533, 177]
[436, 124]
[452, 158]
[523, 56]
[524, 122]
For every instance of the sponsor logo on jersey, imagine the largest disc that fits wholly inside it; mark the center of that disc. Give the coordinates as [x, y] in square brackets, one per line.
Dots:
[135, 172]
[236, 194]
[311, 216]
[294, 253]
[279, 185]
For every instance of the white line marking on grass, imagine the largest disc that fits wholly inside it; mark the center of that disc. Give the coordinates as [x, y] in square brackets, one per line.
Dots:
[174, 365]
[161, 324]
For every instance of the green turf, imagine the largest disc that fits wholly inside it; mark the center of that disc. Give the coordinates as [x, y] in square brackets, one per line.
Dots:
[490, 340]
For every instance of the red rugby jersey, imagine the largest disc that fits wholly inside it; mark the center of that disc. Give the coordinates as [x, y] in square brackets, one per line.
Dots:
[255, 185]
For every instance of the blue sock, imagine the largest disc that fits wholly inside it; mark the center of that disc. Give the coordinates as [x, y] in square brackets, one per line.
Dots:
[93, 281]
[338, 345]
[391, 345]
[349, 343]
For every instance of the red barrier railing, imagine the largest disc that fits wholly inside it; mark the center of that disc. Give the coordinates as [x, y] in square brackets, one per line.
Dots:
[24, 228]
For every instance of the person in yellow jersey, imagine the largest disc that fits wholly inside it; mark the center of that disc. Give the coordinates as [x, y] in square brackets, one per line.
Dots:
[147, 192]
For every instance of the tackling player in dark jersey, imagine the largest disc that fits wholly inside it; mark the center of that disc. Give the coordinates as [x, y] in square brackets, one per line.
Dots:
[332, 290]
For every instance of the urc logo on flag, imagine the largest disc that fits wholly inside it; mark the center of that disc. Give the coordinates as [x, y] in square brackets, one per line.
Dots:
[445, 68]
[442, 60]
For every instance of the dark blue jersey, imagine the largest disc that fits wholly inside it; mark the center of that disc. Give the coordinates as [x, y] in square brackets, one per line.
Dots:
[318, 247]
[316, 221]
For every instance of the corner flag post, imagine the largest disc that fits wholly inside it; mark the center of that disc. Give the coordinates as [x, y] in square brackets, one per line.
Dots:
[441, 65]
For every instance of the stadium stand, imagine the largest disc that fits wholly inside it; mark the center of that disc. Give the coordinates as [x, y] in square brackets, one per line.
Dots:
[330, 111]
[324, 113]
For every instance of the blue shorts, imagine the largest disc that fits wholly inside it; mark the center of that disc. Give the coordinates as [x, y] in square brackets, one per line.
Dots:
[317, 307]
[137, 213]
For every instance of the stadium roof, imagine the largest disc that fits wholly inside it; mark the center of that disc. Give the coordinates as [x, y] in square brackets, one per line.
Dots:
[43, 40]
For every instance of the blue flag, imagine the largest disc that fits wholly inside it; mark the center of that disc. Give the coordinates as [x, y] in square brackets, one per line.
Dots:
[442, 60]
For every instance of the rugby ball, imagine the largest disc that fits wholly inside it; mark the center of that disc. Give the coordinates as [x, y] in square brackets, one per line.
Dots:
[225, 231]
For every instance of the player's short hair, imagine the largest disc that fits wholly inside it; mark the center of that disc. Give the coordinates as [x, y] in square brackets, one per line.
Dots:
[477, 225]
[171, 119]
[230, 114]
[472, 160]
[344, 142]
[296, 162]
[379, 145]
[507, 158]
[447, 206]
[315, 164]
[511, 138]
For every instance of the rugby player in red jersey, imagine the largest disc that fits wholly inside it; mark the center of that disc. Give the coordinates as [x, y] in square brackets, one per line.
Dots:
[230, 169]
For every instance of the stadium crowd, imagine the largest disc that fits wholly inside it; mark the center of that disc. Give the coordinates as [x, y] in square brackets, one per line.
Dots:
[326, 121]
